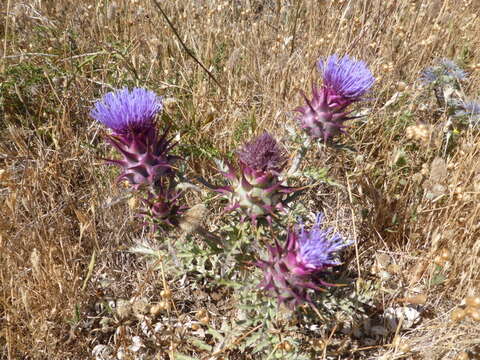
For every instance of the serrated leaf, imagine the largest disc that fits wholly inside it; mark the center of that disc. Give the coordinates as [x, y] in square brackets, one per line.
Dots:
[200, 344]
[181, 356]
[215, 334]
[250, 340]
[438, 279]
[262, 345]
[233, 284]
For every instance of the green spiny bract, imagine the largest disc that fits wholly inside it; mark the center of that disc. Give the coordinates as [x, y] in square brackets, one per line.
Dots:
[257, 191]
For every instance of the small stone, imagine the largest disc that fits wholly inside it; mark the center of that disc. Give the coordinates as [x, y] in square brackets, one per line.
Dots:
[378, 330]
[158, 327]
[383, 259]
[121, 353]
[102, 352]
[124, 309]
[137, 344]
[384, 275]
[409, 315]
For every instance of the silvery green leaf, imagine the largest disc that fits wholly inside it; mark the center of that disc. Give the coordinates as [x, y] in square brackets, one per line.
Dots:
[221, 165]
[144, 249]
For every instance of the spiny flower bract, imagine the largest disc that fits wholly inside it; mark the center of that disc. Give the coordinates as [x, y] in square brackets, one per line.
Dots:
[164, 206]
[294, 269]
[345, 81]
[469, 110]
[257, 191]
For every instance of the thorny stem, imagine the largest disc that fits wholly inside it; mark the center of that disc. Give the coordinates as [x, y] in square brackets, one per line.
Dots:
[299, 157]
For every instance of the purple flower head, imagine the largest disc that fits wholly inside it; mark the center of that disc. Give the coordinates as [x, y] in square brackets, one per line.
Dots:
[317, 246]
[130, 114]
[347, 77]
[294, 269]
[128, 111]
[345, 81]
[256, 190]
[262, 154]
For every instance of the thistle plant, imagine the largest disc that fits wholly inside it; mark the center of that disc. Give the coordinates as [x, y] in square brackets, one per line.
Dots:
[445, 71]
[444, 78]
[294, 269]
[130, 115]
[345, 81]
[258, 190]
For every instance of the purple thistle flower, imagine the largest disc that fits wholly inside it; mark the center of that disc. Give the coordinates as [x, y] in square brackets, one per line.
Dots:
[296, 267]
[257, 191]
[126, 111]
[344, 81]
[317, 246]
[131, 117]
[347, 77]
[262, 154]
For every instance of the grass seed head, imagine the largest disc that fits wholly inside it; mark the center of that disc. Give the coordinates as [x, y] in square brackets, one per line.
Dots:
[473, 301]
[458, 314]
[473, 313]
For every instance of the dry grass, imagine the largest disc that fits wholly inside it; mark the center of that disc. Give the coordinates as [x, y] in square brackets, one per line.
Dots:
[60, 203]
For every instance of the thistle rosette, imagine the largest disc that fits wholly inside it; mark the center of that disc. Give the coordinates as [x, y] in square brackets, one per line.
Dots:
[258, 191]
[131, 117]
[294, 269]
[345, 81]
